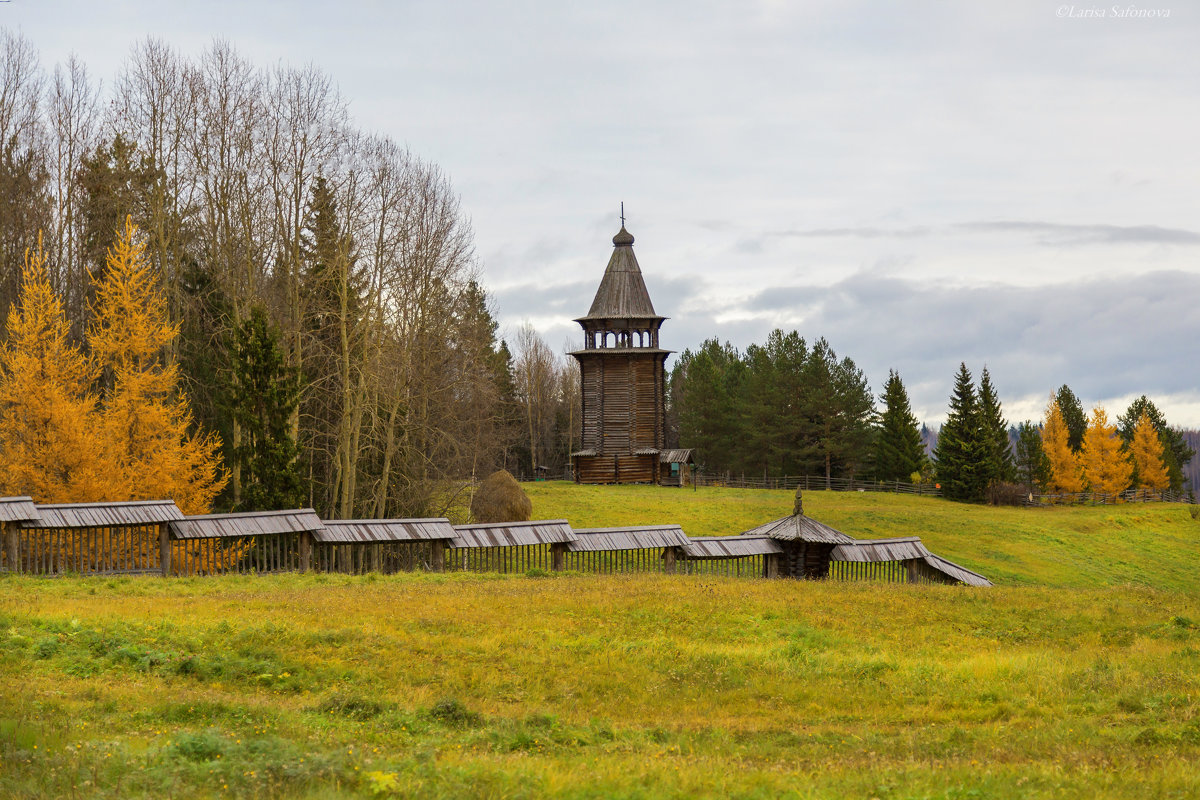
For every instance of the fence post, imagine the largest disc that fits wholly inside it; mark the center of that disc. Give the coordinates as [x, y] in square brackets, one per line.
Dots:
[306, 543]
[558, 556]
[669, 560]
[164, 548]
[438, 556]
[12, 546]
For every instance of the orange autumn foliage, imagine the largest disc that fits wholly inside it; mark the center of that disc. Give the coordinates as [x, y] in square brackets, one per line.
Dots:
[64, 444]
[144, 416]
[1106, 467]
[1065, 473]
[1146, 450]
[53, 450]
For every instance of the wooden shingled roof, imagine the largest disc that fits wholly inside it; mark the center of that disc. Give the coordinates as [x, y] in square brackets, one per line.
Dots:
[246, 523]
[798, 527]
[955, 571]
[644, 537]
[677, 456]
[17, 509]
[731, 546]
[908, 548]
[105, 515]
[622, 292]
[872, 550]
[385, 530]
[512, 534]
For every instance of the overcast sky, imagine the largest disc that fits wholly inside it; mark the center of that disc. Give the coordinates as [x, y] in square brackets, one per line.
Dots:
[1011, 184]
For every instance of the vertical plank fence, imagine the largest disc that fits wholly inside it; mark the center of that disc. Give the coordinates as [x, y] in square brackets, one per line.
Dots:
[153, 537]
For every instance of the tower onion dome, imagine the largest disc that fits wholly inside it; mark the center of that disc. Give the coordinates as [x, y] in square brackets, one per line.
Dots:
[622, 292]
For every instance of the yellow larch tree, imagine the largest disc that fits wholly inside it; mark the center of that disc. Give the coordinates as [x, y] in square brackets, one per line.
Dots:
[1146, 450]
[1106, 466]
[1065, 472]
[52, 450]
[145, 416]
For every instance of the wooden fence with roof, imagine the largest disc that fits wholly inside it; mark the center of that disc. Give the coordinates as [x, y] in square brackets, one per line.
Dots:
[155, 537]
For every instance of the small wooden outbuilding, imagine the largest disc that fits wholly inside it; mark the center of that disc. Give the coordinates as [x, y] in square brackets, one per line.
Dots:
[678, 467]
[807, 544]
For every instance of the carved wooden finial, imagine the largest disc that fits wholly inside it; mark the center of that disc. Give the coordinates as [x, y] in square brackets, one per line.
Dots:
[798, 509]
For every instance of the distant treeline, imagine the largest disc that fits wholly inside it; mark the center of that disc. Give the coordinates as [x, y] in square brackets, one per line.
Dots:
[785, 407]
[788, 407]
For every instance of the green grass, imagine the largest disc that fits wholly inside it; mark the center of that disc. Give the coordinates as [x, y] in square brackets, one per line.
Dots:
[1149, 544]
[322, 686]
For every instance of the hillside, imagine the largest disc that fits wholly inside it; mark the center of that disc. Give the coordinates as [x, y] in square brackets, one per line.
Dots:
[644, 686]
[1148, 544]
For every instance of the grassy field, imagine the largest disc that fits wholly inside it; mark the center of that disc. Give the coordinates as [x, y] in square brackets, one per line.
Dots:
[1149, 544]
[1070, 679]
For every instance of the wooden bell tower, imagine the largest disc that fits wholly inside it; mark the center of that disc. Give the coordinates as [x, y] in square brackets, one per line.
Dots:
[621, 377]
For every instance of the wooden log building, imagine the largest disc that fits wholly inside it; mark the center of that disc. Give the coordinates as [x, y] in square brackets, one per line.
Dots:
[622, 378]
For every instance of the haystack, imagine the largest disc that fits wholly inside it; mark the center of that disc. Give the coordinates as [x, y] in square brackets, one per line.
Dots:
[500, 499]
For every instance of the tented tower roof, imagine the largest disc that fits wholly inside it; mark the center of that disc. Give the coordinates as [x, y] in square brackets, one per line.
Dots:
[622, 293]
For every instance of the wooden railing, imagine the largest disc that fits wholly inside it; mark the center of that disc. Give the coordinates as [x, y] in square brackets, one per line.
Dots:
[817, 483]
[1110, 498]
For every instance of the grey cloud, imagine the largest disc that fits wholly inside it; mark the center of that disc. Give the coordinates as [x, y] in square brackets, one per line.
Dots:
[569, 300]
[1045, 233]
[857, 233]
[1105, 338]
[1056, 234]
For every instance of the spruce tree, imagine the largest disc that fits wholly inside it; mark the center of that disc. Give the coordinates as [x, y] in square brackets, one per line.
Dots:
[998, 461]
[1073, 415]
[1032, 465]
[898, 448]
[835, 407]
[710, 382]
[265, 394]
[1176, 452]
[961, 451]
[332, 345]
